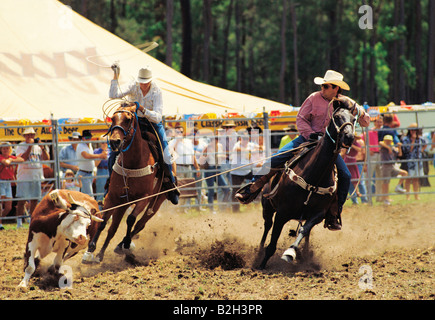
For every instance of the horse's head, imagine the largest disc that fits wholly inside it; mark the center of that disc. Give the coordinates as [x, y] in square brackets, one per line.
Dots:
[341, 129]
[124, 126]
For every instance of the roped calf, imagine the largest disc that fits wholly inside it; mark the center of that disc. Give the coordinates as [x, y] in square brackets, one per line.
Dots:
[63, 222]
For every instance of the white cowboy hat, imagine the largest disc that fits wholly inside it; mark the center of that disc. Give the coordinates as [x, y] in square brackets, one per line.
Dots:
[145, 75]
[74, 135]
[332, 77]
[29, 131]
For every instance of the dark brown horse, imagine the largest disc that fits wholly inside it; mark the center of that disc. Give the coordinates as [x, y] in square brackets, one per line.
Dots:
[307, 187]
[136, 174]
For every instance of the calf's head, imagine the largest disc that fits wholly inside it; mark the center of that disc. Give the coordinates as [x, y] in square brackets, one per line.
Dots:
[77, 220]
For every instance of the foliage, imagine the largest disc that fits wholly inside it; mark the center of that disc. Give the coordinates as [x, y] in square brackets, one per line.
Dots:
[328, 37]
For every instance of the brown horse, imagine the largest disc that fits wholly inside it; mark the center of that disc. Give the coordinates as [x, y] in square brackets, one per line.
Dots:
[136, 174]
[307, 187]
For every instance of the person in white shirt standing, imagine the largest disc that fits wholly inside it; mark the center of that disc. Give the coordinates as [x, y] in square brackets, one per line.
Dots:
[86, 168]
[241, 155]
[184, 154]
[30, 173]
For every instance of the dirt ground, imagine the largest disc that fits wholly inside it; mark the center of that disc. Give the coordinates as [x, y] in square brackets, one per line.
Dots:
[381, 253]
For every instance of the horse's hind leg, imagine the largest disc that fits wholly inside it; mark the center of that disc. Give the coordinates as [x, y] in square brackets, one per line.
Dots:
[268, 212]
[149, 213]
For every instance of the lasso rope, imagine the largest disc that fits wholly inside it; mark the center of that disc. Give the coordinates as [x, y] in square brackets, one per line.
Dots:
[112, 103]
[200, 180]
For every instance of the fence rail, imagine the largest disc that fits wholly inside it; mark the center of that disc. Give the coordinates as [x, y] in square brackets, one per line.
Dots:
[270, 141]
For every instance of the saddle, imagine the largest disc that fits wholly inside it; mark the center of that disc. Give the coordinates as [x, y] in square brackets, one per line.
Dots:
[303, 150]
[147, 133]
[274, 175]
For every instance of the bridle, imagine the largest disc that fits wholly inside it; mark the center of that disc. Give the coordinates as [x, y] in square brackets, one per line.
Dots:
[127, 132]
[340, 129]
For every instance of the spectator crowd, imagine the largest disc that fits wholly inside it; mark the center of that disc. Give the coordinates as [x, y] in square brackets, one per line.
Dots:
[218, 162]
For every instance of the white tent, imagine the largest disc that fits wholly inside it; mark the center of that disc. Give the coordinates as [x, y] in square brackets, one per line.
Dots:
[52, 62]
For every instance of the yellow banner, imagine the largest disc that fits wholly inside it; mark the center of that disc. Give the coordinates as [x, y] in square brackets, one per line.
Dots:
[9, 131]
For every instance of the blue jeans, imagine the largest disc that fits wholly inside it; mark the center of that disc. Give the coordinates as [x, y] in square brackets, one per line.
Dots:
[342, 170]
[100, 182]
[160, 129]
[86, 182]
[220, 181]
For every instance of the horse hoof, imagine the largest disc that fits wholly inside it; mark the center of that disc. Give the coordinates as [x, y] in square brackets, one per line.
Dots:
[89, 258]
[121, 249]
[289, 255]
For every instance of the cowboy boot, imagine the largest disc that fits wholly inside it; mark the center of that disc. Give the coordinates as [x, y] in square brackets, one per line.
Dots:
[249, 192]
[174, 194]
[333, 216]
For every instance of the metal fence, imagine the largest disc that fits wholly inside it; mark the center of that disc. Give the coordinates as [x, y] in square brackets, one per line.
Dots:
[218, 195]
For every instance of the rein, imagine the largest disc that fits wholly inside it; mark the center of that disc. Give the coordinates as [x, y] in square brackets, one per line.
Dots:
[339, 129]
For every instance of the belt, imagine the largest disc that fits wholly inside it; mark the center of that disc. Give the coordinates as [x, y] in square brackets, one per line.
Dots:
[105, 167]
[85, 171]
[184, 165]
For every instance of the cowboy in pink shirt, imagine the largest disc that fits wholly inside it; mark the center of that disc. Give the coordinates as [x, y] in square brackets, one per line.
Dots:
[312, 120]
[316, 111]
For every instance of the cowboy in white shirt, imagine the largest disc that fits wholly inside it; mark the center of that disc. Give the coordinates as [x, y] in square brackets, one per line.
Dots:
[148, 95]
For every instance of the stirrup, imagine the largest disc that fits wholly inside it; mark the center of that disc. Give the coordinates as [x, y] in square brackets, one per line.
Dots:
[244, 194]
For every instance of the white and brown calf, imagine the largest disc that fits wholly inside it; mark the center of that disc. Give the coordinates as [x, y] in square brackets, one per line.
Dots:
[63, 222]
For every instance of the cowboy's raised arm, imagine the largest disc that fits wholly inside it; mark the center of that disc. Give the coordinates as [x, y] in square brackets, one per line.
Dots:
[115, 93]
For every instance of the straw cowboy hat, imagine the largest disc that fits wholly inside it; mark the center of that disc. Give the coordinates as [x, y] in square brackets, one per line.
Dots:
[388, 137]
[228, 123]
[29, 130]
[74, 136]
[145, 75]
[332, 77]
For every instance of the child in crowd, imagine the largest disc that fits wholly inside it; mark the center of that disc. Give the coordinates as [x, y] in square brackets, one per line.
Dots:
[7, 173]
[70, 183]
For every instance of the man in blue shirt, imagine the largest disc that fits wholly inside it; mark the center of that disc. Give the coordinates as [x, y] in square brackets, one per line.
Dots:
[67, 156]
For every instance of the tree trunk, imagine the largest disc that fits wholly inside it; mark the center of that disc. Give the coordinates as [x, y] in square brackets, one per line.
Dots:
[431, 53]
[207, 33]
[283, 52]
[186, 57]
[373, 96]
[296, 99]
[225, 48]
[113, 20]
[402, 82]
[238, 13]
[169, 20]
[334, 11]
[419, 81]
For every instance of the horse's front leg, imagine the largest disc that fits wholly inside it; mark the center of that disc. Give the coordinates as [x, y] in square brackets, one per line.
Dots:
[131, 219]
[88, 256]
[268, 212]
[116, 220]
[280, 221]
